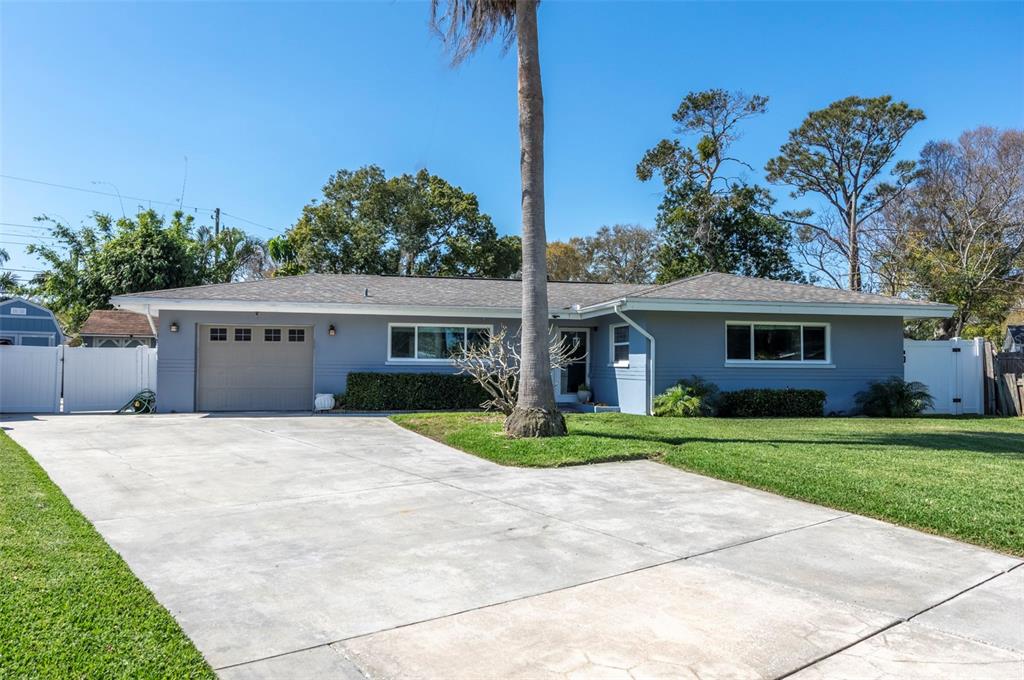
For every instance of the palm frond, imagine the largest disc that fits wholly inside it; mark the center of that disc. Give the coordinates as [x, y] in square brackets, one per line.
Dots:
[466, 25]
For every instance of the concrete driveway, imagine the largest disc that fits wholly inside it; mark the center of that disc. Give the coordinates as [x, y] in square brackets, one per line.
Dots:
[347, 547]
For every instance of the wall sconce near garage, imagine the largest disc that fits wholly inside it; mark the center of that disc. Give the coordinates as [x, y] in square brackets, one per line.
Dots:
[331, 330]
[174, 327]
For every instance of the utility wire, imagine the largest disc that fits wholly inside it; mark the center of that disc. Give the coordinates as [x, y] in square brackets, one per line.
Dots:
[28, 226]
[255, 224]
[133, 198]
[98, 193]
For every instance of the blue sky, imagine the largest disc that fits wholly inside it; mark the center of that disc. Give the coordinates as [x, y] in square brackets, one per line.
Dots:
[267, 99]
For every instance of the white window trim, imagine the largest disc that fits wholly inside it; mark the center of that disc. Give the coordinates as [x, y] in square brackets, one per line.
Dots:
[416, 340]
[612, 344]
[781, 363]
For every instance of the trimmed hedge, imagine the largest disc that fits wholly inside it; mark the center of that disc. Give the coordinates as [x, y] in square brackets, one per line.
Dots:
[769, 403]
[411, 392]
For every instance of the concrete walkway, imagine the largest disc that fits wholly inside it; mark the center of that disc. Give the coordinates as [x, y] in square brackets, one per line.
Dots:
[346, 547]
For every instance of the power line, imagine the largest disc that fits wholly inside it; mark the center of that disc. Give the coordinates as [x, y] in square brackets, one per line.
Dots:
[30, 271]
[99, 193]
[255, 224]
[135, 198]
[28, 226]
[17, 243]
[15, 234]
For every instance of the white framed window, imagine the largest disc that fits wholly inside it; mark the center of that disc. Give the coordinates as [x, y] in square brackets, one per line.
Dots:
[243, 335]
[431, 341]
[296, 335]
[218, 335]
[619, 344]
[778, 343]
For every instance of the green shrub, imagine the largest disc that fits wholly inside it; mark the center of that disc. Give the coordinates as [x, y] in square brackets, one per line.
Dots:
[677, 401]
[773, 403]
[412, 392]
[894, 398]
[688, 398]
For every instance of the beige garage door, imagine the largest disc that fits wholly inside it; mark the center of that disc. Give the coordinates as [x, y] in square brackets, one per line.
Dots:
[255, 368]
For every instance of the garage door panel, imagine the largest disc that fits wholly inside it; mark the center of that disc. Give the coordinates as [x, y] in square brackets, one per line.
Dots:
[257, 374]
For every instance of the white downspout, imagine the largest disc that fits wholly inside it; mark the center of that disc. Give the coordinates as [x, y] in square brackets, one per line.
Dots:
[149, 318]
[650, 338]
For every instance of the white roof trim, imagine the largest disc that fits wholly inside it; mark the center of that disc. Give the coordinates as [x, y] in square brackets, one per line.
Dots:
[927, 311]
[139, 304]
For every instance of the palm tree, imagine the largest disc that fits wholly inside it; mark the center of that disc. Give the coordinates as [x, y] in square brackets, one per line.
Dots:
[465, 26]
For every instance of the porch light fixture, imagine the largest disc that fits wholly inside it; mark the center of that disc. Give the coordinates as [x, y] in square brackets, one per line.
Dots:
[331, 330]
[174, 327]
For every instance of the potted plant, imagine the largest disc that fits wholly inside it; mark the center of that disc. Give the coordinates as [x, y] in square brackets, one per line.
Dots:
[583, 393]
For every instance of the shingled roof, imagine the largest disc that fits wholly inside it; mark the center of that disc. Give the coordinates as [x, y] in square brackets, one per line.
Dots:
[369, 289]
[117, 323]
[732, 288]
[353, 291]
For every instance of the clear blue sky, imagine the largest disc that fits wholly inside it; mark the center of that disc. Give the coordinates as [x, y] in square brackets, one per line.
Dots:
[267, 99]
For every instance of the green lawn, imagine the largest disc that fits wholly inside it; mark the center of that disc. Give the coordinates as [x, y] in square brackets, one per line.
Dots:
[960, 477]
[69, 606]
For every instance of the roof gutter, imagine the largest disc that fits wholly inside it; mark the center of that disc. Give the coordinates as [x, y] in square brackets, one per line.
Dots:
[650, 339]
[149, 318]
[930, 310]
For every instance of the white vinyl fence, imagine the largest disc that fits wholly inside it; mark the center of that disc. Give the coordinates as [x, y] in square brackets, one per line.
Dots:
[29, 379]
[33, 379]
[953, 370]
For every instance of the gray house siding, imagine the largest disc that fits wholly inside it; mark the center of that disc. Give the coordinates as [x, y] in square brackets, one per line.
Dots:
[360, 344]
[36, 326]
[625, 387]
[863, 349]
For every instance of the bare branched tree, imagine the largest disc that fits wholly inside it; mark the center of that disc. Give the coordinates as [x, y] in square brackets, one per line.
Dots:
[495, 365]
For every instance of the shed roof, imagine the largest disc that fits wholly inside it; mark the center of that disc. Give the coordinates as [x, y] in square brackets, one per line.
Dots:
[117, 323]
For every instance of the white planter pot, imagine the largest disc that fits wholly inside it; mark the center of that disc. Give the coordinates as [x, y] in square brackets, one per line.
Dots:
[583, 396]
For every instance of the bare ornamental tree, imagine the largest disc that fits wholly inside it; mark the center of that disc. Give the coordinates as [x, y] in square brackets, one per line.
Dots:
[495, 365]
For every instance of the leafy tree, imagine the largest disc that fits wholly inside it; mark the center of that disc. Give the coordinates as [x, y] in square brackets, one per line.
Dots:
[408, 224]
[284, 261]
[230, 255]
[710, 219]
[840, 153]
[622, 253]
[465, 26]
[87, 266]
[566, 261]
[8, 279]
[960, 229]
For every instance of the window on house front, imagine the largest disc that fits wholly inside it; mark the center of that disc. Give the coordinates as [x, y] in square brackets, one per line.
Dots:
[243, 335]
[218, 335]
[296, 335]
[620, 344]
[428, 342]
[271, 335]
[776, 342]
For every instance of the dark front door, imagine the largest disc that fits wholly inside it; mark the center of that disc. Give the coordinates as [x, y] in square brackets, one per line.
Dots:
[575, 374]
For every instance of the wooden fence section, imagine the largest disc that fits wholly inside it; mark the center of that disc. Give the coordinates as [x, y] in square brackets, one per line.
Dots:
[1004, 383]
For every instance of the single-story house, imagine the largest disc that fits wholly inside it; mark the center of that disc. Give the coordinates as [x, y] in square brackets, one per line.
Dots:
[23, 322]
[1014, 341]
[271, 344]
[118, 328]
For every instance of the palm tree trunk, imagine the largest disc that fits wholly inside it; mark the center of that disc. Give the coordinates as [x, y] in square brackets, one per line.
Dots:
[535, 414]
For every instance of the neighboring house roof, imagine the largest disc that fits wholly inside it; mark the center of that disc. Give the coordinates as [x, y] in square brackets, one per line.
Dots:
[1014, 336]
[370, 294]
[117, 323]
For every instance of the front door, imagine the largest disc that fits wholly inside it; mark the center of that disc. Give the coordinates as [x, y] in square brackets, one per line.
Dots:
[576, 373]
